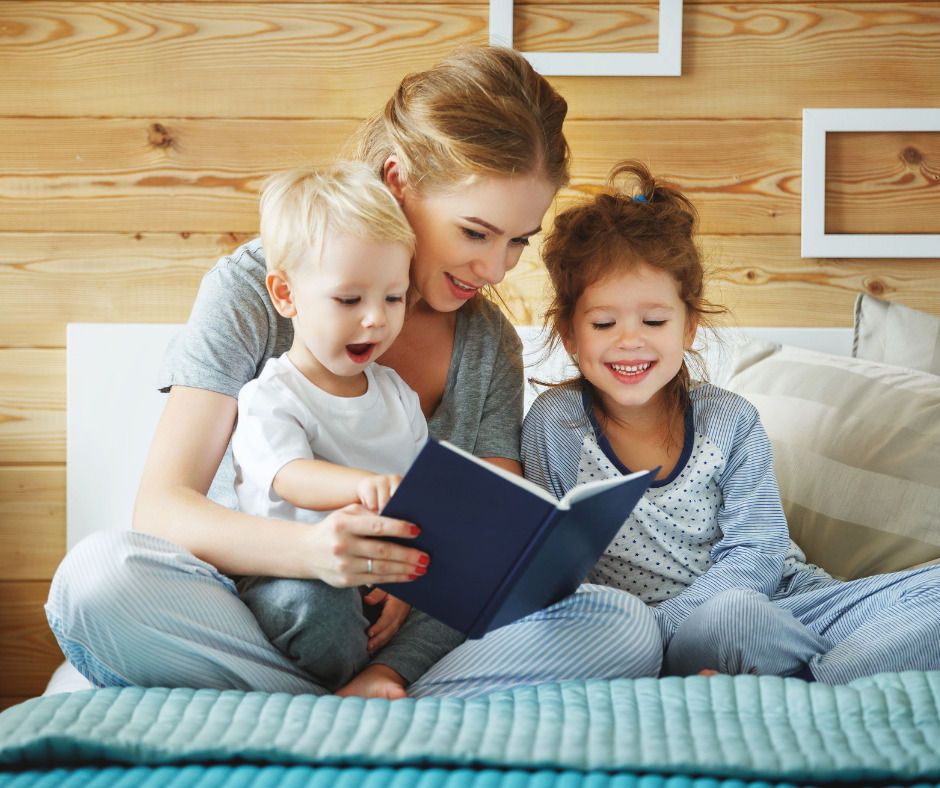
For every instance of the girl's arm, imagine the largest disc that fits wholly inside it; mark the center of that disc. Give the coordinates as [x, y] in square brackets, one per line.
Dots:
[755, 538]
[187, 448]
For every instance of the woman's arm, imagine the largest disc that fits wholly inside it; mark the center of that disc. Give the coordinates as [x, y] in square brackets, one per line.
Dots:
[186, 451]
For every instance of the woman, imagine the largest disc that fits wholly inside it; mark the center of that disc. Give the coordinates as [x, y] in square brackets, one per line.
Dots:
[474, 151]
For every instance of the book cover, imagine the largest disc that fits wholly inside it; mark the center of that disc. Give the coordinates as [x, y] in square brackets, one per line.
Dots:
[501, 547]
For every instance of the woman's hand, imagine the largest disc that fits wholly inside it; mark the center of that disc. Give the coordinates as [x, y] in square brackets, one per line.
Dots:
[393, 615]
[348, 548]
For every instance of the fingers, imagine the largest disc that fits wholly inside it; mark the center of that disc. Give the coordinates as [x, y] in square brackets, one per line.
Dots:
[355, 552]
[393, 615]
[374, 490]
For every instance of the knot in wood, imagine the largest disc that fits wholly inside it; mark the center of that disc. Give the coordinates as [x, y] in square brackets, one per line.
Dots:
[159, 137]
[911, 156]
[877, 288]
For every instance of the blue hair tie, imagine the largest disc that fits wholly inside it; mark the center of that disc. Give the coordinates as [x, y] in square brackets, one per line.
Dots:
[639, 198]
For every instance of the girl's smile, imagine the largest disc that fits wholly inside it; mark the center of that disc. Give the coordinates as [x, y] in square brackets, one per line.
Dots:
[630, 332]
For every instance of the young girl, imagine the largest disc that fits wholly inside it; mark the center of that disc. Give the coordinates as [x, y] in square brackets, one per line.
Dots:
[708, 545]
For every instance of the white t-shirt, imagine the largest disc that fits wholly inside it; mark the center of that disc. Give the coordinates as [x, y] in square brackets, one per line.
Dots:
[282, 417]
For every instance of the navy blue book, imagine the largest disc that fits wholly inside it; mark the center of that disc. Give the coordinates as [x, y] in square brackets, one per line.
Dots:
[501, 547]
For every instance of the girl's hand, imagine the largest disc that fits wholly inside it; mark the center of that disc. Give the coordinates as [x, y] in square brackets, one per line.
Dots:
[375, 489]
[393, 615]
[348, 548]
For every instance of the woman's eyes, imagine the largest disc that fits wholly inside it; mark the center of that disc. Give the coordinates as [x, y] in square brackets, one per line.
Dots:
[476, 235]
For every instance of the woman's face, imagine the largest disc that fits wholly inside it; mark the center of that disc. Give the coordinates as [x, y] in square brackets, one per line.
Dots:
[471, 237]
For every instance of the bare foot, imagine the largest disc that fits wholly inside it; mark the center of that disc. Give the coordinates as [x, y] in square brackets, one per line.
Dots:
[376, 681]
[708, 673]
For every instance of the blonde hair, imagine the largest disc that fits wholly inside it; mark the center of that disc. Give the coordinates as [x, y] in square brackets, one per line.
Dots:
[645, 220]
[482, 111]
[299, 206]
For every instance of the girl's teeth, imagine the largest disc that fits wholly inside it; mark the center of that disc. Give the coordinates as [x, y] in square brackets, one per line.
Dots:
[631, 369]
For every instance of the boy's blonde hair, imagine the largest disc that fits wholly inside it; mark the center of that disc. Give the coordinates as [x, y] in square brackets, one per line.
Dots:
[299, 206]
[481, 112]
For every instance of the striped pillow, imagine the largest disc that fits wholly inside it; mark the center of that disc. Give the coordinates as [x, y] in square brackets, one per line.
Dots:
[896, 334]
[856, 452]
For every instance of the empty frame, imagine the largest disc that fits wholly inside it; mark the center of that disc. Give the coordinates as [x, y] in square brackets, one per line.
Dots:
[815, 242]
[666, 62]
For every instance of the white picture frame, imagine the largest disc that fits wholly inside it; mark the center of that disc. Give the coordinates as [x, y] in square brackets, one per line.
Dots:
[814, 241]
[665, 62]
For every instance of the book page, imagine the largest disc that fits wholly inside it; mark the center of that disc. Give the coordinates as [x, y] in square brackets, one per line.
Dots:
[591, 488]
[520, 481]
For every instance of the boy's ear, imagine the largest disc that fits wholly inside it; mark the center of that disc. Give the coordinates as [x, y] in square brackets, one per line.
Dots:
[279, 289]
[394, 177]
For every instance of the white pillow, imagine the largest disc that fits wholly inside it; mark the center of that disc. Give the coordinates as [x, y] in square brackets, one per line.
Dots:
[856, 452]
[896, 334]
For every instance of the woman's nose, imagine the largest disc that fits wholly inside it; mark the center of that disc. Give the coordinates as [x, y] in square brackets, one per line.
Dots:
[493, 264]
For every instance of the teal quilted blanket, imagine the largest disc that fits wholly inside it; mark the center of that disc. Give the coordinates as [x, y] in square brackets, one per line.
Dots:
[881, 729]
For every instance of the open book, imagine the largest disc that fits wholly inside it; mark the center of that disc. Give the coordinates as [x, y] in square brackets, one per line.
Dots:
[500, 546]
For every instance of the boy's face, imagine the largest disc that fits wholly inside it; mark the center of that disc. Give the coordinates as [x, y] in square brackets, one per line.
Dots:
[347, 305]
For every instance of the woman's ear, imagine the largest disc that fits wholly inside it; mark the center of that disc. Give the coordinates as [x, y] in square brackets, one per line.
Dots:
[279, 289]
[394, 177]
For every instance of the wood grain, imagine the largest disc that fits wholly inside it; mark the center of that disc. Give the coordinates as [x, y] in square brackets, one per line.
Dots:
[32, 406]
[337, 60]
[203, 174]
[101, 278]
[883, 182]
[148, 175]
[28, 649]
[32, 510]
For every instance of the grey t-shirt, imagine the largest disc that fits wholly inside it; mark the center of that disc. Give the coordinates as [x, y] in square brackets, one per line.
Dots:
[234, 329]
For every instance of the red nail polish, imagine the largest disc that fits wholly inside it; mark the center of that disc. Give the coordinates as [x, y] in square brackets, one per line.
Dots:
[415, 530]
[421, 570]
[424, 560]
[412, 577]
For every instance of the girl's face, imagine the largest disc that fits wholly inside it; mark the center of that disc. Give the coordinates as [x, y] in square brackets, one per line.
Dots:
[630, 332]
[471, 237]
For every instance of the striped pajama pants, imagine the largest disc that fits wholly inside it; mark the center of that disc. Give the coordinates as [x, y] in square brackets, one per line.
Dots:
[132, 609]
[839, 630]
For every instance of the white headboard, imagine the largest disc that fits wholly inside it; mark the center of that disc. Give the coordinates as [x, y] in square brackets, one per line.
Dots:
[113, 406]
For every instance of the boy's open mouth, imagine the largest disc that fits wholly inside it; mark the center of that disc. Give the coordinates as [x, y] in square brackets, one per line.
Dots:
[360, 352]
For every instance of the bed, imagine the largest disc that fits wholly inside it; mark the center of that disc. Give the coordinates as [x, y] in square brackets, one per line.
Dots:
[835, 409]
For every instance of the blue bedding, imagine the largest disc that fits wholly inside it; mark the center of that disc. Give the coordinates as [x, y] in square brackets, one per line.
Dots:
[741, 729]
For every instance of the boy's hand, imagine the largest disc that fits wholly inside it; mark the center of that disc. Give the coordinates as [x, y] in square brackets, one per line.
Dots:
[393, 615]
[375, 489]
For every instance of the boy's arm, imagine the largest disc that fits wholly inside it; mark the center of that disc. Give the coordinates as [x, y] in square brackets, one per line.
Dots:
[324, 486]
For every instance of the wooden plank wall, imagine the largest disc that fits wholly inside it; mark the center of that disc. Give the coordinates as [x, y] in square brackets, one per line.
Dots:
[135, 135]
